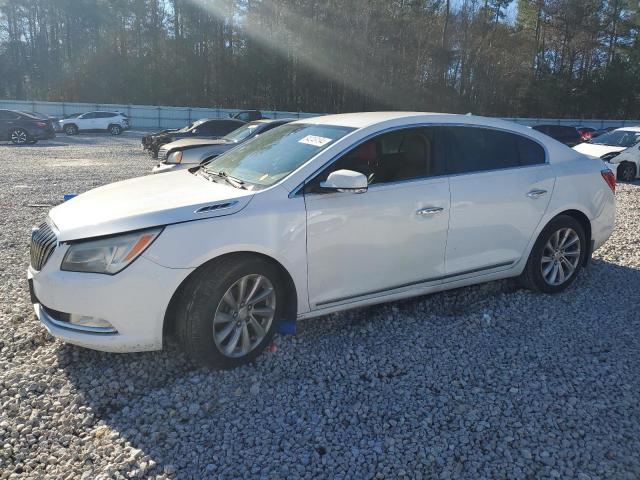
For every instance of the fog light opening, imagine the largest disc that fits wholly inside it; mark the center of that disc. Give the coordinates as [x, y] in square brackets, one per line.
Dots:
[87, 321]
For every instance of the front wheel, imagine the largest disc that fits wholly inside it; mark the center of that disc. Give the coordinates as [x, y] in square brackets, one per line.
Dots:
[115, 129]
[556, 257]
[229, 311]
[70, 129]
[19, 136]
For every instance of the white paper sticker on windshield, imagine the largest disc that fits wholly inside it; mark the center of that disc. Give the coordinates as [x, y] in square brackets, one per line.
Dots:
[315, 140]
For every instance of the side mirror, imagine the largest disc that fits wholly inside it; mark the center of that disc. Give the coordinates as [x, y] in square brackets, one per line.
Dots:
[346, 181]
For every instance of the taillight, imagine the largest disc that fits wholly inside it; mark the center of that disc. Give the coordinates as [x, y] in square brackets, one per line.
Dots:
[610, 178]
[41, 124]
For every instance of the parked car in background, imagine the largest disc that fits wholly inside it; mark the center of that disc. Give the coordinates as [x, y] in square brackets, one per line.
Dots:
[204, 128]
[564, 134]
[586, 133]
[22, 127]
[619, 147]
[189, 152]
[602, 131]
[313, 217]
[113, 122]
[248, 115]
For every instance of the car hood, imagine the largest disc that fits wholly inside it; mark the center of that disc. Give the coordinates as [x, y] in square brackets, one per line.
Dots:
[595, 150]
[145, 202]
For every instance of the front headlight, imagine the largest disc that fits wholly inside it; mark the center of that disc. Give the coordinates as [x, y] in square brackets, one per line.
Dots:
[175, 157]
[108, 255]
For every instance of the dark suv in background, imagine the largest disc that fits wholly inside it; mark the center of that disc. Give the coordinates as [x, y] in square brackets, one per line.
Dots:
[205, 127]
[21, 127]
[565, 134]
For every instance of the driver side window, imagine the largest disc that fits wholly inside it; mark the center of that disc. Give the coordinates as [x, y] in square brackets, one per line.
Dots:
[391, 157]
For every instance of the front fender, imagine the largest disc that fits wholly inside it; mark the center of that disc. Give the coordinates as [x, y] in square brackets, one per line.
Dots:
[274, 226]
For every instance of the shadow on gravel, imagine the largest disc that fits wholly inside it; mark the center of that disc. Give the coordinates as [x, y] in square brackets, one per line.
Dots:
[541, 379]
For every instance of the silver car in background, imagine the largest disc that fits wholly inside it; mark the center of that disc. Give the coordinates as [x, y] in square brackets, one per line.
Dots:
[190, 152]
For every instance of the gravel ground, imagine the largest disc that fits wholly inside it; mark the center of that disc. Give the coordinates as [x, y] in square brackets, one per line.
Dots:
[482, 382]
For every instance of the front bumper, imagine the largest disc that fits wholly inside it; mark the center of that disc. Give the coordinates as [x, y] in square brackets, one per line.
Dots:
[133, 301]
[170, 167]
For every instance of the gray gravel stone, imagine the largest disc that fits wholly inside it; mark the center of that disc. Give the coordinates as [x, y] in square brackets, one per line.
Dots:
[483, 382]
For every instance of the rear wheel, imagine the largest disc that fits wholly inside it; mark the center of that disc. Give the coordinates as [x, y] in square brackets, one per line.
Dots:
[70, 129]
[115, 129]
[229, 311]
[557, 256]
[626, 172]
[19, 136]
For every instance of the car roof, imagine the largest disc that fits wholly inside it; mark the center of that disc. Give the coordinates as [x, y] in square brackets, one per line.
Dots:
[219, 120]
[360, 120]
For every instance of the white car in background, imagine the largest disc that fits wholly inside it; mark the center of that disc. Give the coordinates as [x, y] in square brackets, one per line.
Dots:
[113, 122]
[313, 217]
[620, 148]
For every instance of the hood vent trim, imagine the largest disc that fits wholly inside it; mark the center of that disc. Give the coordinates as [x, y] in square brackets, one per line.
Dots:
[215, 207]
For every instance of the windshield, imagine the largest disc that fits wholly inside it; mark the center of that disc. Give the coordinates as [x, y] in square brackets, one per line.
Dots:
[242, 133]
[618, 138]
[273, 155]
[190, 126]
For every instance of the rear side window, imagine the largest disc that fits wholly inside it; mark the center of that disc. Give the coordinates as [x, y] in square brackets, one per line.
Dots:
[531, 153]
[473, 149]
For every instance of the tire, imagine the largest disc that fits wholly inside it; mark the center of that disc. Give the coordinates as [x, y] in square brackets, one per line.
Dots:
[205, 309]
[570, 256]
[626, 172]
[19, 136]
[115, 129]
[71, 129]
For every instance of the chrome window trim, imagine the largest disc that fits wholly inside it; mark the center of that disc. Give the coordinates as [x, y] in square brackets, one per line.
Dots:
[297, 191]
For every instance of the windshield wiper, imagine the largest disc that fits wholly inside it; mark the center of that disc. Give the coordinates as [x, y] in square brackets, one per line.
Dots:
[234, 182]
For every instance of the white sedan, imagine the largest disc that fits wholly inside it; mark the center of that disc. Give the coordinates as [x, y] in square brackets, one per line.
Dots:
[313, 217]
[620, 148]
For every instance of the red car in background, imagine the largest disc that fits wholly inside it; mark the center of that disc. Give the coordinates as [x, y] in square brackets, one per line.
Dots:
[586, 133]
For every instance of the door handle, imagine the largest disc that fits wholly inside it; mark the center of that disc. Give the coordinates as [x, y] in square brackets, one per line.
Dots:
[536, 193]
[425, 212]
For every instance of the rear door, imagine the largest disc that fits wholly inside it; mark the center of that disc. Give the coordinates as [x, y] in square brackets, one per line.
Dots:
[103, 120]
[500, 188]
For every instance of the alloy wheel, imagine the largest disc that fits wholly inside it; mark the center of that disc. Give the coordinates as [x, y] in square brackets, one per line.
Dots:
[19, 137]
[244, 315]
[560, 256]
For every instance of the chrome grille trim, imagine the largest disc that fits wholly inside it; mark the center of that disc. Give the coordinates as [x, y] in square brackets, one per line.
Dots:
[43, 243]
[162, 153]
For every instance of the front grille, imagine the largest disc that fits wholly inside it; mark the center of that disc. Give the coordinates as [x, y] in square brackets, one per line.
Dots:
[162, 153]
[43, 243]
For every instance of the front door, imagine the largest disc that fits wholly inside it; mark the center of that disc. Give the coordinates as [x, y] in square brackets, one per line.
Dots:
[391, 237]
